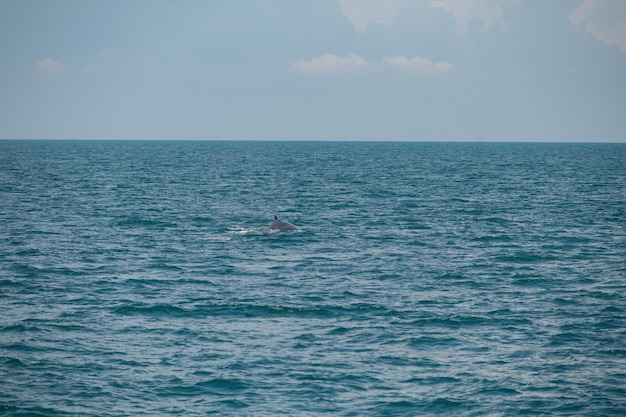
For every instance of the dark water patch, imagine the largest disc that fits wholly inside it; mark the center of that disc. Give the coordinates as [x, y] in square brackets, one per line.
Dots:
[143, 223]
[176, 387]
[22, 328]
[525, 279]
[24, 347]
[202, 220]
[498, 392]
[37, 232]
[17, 411]
[524, 257]
[165, 266]
[151, 310]
[567, 339]
[395, 407]
[27, 252]
[248, 310]
[339, 331]
[229, 310]
[12, 363]
[430, 341]
[433, 380]
[447, 406]
[11, 284]
[222, 385]
[423, 362]
[232, 404]
[417, 226]
[451, 322]
[7, 409]
[277, 310]
[26, 270]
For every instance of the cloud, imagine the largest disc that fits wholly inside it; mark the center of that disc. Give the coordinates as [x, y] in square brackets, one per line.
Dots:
[489, 12]
[363, 12]
[351, 63]
[329, 63]
[418, 65]
[605, 20]
[50, 66]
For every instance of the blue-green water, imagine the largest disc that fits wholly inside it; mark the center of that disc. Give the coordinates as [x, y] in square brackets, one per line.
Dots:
[139, 279]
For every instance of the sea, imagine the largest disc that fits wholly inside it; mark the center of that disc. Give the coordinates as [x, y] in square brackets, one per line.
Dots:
[139, 278]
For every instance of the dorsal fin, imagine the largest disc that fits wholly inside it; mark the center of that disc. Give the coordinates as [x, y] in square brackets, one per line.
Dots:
[275, 218]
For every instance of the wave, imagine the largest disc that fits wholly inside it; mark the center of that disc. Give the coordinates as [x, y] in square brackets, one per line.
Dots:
[139, 222]
[250, 310]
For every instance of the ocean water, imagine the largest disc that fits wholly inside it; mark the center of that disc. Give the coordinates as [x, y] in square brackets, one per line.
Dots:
[427, 279]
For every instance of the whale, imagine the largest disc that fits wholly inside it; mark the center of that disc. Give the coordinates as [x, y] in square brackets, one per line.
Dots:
[281, 225]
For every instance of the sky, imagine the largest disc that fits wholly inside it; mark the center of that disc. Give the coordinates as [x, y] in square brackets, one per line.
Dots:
[422, 70]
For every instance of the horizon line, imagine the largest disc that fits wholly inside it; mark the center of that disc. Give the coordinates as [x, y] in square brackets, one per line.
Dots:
[478, 140]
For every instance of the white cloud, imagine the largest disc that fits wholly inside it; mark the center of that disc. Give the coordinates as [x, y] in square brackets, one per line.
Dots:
[489, 12]
[418, 64]
[363, 12]
[329, 63]
[351, 63]
[605, 20]
[50, 66]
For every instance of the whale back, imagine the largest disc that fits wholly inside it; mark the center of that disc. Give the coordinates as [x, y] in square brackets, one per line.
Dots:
[278, 224]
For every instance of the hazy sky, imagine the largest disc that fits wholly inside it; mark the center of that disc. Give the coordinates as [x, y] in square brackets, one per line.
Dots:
[321, 69]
